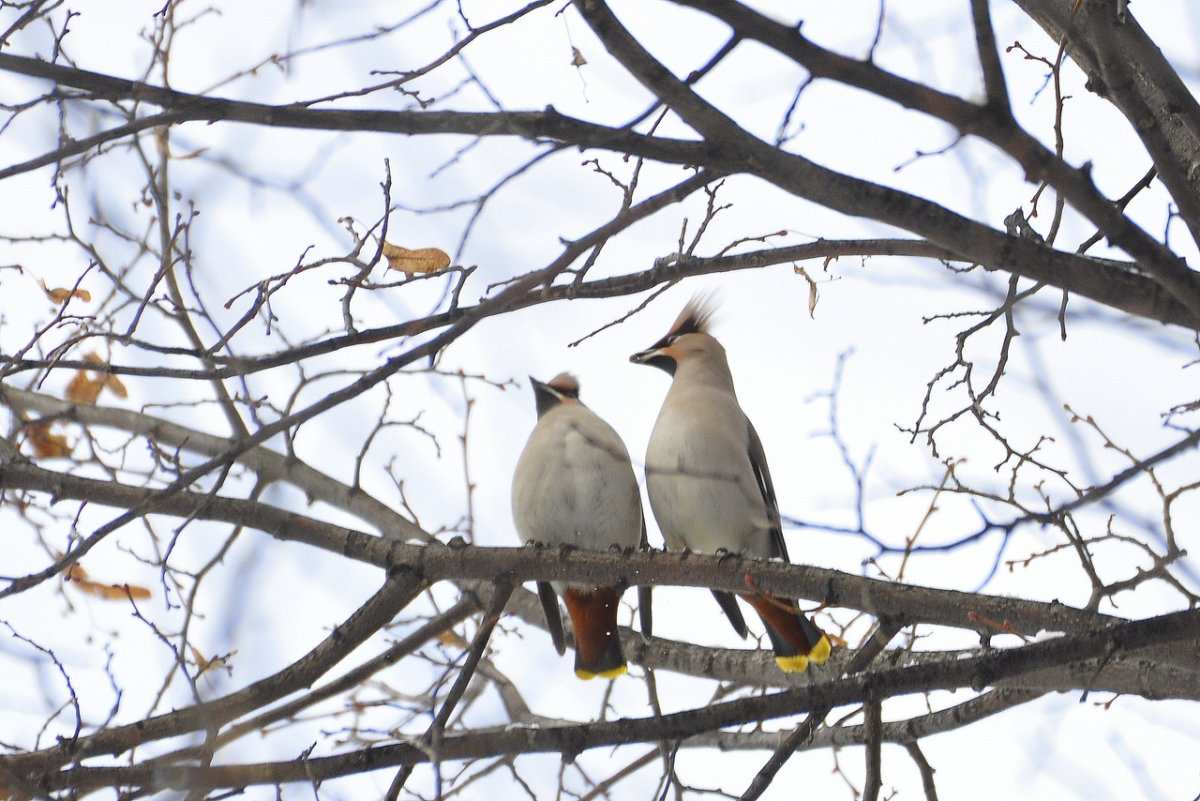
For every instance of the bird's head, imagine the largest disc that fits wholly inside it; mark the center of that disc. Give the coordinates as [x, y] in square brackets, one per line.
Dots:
[687, 340]
[563, 388]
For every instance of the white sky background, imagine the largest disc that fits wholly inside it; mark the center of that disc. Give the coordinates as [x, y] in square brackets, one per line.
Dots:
[285, 596]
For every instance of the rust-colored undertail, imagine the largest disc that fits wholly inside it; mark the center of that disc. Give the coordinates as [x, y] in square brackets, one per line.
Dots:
[597, 645]
[796, 639]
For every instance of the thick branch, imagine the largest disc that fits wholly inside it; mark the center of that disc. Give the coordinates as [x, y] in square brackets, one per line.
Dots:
[398, 590]
[1113, 283]
[900, 731]
[916, 604]
[496, 305]
[731, 150]
[532, 125]
[1151, 674]
[435, 562]
[1125, 66]
[981, 671]
[861, 198]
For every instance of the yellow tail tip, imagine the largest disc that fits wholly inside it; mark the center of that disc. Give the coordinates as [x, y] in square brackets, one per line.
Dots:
[792, 664]
[820, 651]
[799, 663]
[611, 673]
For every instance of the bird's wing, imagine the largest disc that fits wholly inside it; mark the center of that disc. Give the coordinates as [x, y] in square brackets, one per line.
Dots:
[645, 615]
[553, 616]
[762, 474]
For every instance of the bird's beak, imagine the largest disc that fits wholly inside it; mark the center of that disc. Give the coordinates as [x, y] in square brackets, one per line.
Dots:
[657, 356]
[544, 397]
[643, 356]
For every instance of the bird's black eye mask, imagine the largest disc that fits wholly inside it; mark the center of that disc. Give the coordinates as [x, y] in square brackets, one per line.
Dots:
[547, 396]
[661, 360]
[693, 320]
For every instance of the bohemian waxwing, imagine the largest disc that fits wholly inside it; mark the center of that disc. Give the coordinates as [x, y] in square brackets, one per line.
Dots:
[574, 485]
[708, 481]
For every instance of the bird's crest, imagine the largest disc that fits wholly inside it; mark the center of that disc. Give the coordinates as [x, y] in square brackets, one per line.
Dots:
[565, 384]
[694, 318]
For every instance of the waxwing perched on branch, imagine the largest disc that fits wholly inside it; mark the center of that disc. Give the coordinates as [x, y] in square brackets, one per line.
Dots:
[574, 485]
[708, 481]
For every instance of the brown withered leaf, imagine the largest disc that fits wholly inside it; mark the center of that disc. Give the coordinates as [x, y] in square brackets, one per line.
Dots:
[114, 385]
[83, 388]
[577, 59]
[76, 575]
[110, 381]
[45, 444]
[421, 260]
[812, 291]
[205, 664]
[202, 661]
[62, 294]
[110, 592]
[448, 637]
[115, 592]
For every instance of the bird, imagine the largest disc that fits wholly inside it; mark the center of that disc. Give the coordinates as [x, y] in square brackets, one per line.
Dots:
[707, 479]
[574, 485]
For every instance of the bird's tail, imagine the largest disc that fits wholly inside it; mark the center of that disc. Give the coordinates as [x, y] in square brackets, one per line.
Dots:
[597, 646]
[729, 606]
[796, 639]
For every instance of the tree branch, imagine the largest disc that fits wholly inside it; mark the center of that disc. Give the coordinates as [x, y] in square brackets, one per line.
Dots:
[980, 671]
[438, 562]
[397, 592]
[805, 179]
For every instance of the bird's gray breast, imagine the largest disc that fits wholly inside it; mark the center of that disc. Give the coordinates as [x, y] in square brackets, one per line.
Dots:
[580, 490]
[699, 478]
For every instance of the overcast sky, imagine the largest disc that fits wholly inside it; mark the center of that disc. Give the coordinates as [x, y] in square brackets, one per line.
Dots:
[870, 320]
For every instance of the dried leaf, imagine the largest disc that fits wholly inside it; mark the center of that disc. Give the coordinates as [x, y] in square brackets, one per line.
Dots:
[577, 59]
[114, 385]
[422, 260]
[62, 295]
[448, 637]
[108, 592]
[812, 291]
[114, 592]
[205, 664]
[202, 662]
[83, 388]
[46, 445]
[76, 575]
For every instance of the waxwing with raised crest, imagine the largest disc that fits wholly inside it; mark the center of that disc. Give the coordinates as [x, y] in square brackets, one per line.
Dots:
[574, 485]
[708, 482]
